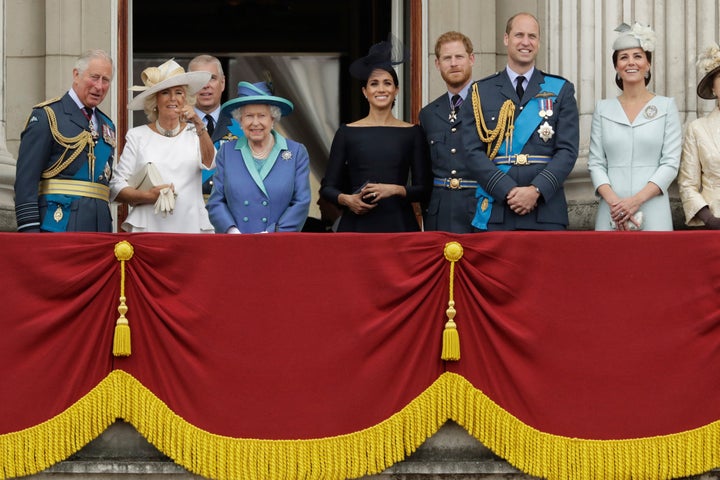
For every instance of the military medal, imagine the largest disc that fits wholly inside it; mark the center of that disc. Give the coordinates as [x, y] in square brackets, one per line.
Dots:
[546, 131]
[454, 107]
[546, 107]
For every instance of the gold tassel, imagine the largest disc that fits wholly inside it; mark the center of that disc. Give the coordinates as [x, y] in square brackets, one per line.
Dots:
[122, 346]
[451, 337]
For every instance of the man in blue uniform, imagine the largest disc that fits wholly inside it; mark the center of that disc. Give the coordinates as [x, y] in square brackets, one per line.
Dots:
[452, 203]
[66, 154]
[521, 136]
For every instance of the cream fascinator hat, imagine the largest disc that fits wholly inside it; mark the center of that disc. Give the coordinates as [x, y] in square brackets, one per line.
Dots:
[709, 62]
[637, 36]
[169, 74]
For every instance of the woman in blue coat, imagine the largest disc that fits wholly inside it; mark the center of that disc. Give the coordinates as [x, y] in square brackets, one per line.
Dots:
[262, 180]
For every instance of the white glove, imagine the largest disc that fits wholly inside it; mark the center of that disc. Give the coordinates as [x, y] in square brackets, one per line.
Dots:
[165, 202]
[234, 230]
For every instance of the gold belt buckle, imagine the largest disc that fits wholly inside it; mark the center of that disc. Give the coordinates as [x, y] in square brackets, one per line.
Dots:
[454, 183]
[521, 159]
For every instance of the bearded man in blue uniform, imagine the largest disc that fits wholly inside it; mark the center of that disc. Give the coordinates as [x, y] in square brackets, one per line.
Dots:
[521, 138]
[66, 153]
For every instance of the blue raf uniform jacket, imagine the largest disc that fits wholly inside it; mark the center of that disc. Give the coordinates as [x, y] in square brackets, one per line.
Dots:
[276, 199]
[39, 150]
[551, 212]
[449, 210]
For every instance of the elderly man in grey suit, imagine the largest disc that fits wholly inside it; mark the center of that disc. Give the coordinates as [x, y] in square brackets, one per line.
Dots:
[207, 106]
[452, 203]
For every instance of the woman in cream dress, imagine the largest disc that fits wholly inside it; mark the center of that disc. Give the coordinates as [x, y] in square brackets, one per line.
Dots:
[635, 142]
[699, 177]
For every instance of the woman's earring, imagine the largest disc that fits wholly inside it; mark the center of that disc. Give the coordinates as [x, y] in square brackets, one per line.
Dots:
[647, 74]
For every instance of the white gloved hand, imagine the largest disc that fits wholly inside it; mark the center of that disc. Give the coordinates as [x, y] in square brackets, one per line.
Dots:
[165, 202]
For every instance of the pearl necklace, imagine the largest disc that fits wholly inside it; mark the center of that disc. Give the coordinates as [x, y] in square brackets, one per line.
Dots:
[167, 133]
[262, 154]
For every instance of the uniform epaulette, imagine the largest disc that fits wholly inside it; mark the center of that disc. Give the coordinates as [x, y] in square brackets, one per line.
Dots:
[553, 75]
[492, 75]
[47, 102]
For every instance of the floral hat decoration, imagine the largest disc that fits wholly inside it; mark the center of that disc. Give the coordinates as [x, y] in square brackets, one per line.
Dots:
[169, 74]
[708, 62]
[635, 36]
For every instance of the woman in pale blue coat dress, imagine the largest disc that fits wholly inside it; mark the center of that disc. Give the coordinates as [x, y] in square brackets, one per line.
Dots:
[635, 143]
[262, 180]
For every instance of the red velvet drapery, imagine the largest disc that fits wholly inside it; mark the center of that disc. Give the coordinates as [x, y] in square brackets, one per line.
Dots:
[307, 336]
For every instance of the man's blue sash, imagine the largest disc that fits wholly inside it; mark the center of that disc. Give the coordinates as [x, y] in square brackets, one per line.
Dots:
[525, 125]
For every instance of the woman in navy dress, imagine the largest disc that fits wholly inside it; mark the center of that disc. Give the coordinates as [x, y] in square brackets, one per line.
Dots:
[378, 165]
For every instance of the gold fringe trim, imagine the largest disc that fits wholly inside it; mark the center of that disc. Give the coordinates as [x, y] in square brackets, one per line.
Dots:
[365, 452]
[34, 449]
[555, 457]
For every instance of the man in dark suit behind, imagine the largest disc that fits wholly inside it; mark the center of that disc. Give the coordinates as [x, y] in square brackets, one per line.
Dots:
[521, 170]
[66, 154]
[452, 202]
[207, 105]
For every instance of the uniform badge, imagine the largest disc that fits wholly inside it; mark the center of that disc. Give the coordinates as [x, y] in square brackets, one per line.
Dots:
[33, 119]
[286, 155]
[546, 131]
[650, 111]
[484, 204]
[58, 215]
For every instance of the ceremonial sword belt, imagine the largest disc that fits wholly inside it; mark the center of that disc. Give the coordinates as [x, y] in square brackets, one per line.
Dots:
[454, 183]
[521, 159]
[77, 188]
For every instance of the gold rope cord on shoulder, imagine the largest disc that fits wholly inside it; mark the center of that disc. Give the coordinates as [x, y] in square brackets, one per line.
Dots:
[76, 144]
[504, 128]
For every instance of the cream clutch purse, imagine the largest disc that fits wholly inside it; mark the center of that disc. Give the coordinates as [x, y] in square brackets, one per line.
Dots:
[631, 226]
[149, 177]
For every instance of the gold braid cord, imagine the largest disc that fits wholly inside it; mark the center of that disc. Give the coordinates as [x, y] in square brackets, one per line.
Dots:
[76, 144]
[451, 338]
[121, 341]
[504, 128]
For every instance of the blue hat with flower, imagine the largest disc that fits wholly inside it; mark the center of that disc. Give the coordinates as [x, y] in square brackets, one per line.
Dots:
[256, 93]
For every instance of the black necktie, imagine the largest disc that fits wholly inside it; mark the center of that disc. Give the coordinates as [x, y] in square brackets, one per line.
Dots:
[210, 124]
[519, 88]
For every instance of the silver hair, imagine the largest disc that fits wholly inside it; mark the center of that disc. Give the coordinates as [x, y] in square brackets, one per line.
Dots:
[84, 60]
[203, 59]
[275, 113]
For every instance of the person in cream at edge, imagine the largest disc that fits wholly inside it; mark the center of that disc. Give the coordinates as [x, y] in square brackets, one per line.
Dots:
[699, 177]
[176, 143]
[262, 182]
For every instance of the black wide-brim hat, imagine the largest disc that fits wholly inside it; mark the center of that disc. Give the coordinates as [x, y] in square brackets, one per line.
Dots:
[384, 55]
